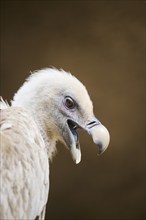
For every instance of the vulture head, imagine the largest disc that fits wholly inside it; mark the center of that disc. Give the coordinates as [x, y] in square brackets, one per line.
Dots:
[60, 104]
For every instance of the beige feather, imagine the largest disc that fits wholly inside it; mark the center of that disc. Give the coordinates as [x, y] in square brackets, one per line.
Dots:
[24, 166]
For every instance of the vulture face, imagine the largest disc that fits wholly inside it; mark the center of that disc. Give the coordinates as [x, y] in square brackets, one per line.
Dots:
[76, 110]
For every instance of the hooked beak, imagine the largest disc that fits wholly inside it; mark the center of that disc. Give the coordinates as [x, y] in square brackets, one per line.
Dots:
[99, 133]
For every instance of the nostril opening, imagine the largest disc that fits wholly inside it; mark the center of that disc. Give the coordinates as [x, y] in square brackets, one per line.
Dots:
[91, 123]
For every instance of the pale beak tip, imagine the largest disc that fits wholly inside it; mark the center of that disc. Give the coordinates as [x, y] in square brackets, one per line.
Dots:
[102, 139]
[77, 161]
[76, 155]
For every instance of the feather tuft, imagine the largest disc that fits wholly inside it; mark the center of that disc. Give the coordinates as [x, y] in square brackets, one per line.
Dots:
[3, 104]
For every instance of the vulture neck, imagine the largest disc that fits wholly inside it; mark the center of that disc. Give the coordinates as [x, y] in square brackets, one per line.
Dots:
[36, 107]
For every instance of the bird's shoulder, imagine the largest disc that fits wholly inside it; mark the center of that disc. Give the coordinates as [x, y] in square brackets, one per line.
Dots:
[24, 165]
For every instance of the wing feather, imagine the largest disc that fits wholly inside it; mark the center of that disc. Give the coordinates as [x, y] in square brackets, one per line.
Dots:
[24, 166]
[42, 215]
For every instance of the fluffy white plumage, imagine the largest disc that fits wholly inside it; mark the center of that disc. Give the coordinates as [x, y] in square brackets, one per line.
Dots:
[24, 166]
[49, 107]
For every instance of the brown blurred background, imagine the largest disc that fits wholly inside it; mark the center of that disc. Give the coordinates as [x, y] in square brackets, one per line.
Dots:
[102, 43]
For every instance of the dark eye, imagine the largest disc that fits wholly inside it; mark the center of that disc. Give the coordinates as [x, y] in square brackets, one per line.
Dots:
[69, 103]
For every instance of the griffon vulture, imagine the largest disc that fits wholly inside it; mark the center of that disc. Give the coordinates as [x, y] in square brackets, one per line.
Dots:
[49, 107]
